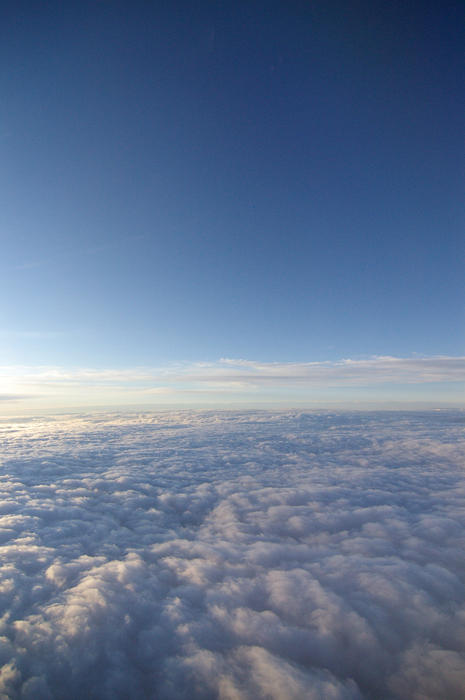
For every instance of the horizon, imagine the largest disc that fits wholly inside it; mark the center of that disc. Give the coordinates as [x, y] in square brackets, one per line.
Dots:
[374, 382]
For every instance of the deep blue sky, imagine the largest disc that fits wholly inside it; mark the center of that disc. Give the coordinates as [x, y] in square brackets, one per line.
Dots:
[277, 181]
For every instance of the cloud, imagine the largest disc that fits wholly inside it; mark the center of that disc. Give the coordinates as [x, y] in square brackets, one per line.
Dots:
[238, 379]
[375, 370]
[15, 397]
[233, 555]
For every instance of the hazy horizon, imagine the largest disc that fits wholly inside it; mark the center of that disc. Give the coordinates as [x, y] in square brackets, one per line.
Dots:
[375, 382]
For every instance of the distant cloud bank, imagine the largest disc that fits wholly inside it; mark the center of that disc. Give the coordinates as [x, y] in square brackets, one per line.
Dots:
[235, 379]
[244, 556]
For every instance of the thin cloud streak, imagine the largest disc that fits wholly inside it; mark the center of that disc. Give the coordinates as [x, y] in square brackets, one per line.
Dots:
[346, 372]
[246, 373]
[375, 382]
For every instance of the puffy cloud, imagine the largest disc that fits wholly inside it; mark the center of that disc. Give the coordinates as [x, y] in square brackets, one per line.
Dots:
[233, 555]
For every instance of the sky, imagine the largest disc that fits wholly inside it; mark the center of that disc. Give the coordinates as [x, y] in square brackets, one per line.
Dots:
[222, 203]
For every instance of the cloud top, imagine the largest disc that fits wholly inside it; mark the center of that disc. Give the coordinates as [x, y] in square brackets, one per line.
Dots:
[233, 555]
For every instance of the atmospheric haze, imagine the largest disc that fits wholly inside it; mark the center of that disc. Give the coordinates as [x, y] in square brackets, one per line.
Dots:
[233, 555]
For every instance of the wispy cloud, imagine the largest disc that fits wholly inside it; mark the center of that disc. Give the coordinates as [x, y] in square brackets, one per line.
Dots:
[377, 370]
[234, 378]
[244, 374]
[15, 397]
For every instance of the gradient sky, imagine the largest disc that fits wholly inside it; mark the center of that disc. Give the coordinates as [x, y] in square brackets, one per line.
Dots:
[275, 182]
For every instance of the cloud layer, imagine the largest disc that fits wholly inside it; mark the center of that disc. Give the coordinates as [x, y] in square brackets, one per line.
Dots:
[236, 380]
[233, 555]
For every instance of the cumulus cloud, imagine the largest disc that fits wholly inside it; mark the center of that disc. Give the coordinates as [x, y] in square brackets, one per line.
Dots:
[233, 555]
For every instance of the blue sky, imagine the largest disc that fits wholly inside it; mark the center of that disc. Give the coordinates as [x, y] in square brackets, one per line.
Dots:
[275, 183]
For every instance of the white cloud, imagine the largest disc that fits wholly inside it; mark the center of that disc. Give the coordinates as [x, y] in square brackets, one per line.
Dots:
[354, 372]
[233, 555]
[236, 379]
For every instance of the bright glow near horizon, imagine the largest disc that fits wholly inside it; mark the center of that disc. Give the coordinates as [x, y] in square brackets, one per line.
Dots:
[369, 383]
